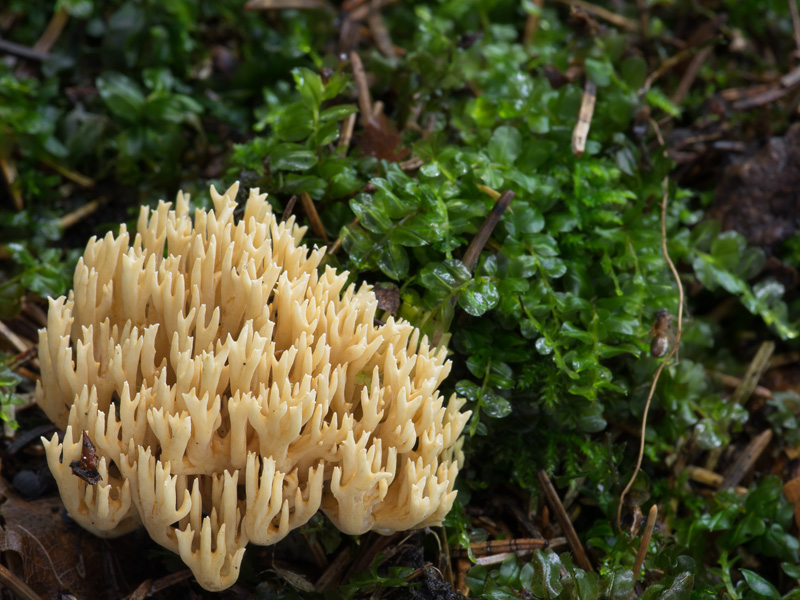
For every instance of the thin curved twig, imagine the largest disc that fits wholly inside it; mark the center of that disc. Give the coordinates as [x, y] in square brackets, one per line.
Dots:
[673, 352]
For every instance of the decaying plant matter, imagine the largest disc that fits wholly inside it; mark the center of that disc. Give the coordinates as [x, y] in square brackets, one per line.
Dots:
[219, 372]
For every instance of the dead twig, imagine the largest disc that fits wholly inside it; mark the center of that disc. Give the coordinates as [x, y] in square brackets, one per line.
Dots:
[290, 4]
[710, 478]
[666, 66]
[646, 534]
[641, 7]
[73, 176]
[745, 461]
[52, 32]
[361, 12]
[10, 173]
[364, 98]
[581, 132]
[760, 99]
[313, 216]
[532, 22]
[379, 31]
[287, 212]
[346, 134]
[159, 585]
[604, 13]
[462, 567]
[22, 51]
[673, 352]
[16, 585]
[415, 162]
[496, 546]
[795, 23]
[337, 244]
[755, 370]
[332, 575]
[563, 519]
[731, 381]
[19, 343]
[482, 236]
[80, 213]
[691, 74]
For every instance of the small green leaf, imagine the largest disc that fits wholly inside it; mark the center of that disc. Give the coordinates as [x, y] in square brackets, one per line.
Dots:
[634, 71]
[122, 96]
[759, 585]
[505, 145]
[599, 72]
[393, 261]
[371, 212]
[309, 84]
[546, 581]
[337, 113]
[479, 296]
[494, 405]
[289, 158]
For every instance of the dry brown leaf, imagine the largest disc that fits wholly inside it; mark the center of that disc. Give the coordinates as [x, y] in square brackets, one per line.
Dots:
[54, 555]
[791, 489]
[388, 296]
[381, 139]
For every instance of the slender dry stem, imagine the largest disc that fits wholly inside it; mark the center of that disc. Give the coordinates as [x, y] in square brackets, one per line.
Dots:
[566, 525]
[581, 131]
[313, 216]
[673, 352]
[17, 585]
[360, 76]
[646, 535]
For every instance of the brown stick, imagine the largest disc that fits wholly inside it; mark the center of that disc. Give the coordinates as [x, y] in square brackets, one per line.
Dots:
[479, 241]
[364, 98]
[52, 32]
[581, 132]
[334, 247]
[745, 461]
[22, 51]
[761, 99]
[755, 370]
[415, 162]
[80, 213]
[667, 65]
[709, 478]
[646, 534]
[289, 4]
[346, 135]
[9, 169]
[497, 546]
[532, 22]
[313, 216]
[795, 22]
[604, 14]
[16, 585]
[379, 32]
[331, 576]
[641, 7]
[287, 212]
[74, 176]
[731, 381]
[563, 519]
[691, 74]
[463, 565]
[163, 583]
[19, 343]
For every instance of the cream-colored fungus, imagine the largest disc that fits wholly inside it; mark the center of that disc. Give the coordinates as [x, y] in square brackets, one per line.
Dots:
[219, 372]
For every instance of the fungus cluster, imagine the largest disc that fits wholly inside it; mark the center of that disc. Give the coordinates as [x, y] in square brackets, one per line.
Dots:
[232, 388]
